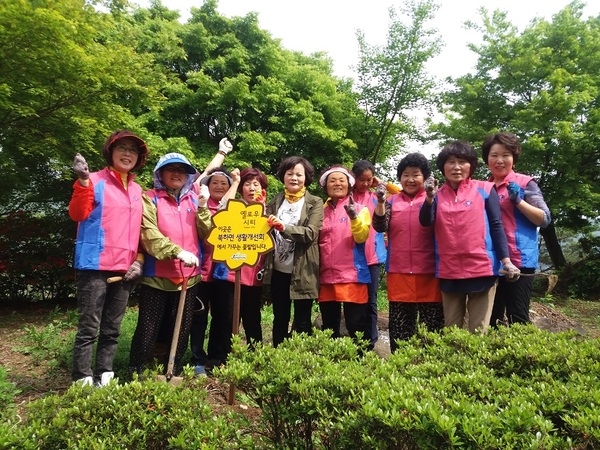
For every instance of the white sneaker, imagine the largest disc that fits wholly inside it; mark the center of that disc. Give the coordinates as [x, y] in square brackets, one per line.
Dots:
[105, 378]
[85, 381]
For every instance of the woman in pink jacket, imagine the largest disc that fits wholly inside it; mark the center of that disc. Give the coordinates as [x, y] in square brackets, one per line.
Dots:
[470, 240]
[343, 270]
[413, 291]
[108, 208]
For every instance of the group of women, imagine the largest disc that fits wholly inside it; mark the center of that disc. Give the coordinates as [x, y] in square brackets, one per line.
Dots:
[446, 249]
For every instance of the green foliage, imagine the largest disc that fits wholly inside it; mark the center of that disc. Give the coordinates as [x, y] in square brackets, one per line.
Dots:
[393, 80]
[579, 278]
[516, 387]
[7, 394]
[542, 84]
[137, 415]
[47, 342]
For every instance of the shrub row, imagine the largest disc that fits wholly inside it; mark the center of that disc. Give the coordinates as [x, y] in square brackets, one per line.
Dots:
[516, 387]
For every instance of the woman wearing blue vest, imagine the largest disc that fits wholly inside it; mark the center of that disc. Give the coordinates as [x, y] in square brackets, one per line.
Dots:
[523, 212]
[469, 237]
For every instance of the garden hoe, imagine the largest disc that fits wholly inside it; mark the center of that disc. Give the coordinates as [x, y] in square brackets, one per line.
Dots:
[552, 278]
[168, 377]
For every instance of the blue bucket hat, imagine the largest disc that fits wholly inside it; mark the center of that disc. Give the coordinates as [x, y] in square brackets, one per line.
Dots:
[174, 158]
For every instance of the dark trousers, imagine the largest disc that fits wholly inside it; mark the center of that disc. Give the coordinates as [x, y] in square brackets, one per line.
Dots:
[155, 307]
[221, 326]
[404, 317]
[101, 309]
[206, 293]
[513, 299]
[373, 287]
[355, 315]
[282, 309]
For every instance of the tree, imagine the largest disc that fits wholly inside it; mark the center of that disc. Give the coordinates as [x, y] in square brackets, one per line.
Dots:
[237, 81]
[393, 81]
[543, 85]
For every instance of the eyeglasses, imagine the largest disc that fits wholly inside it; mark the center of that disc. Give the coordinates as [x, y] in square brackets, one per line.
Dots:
[173, 168]
[123, 149]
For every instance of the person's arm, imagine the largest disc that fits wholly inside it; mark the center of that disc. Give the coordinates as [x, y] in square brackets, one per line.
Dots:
[81, 204]
[534, 207]
[235, 176]
[309, 233]
[360, 226]
[497, 233]
[203, 222]
[381, 217]
[224, 148]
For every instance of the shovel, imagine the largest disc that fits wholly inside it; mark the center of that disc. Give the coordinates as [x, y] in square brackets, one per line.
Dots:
[168, 377]
[552, 278]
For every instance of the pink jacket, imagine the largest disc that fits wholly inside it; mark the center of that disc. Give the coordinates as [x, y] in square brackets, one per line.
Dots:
[521, 234]
[462, 233]
[342, 260]
[410, 245]
[177, 222]
[108, 237]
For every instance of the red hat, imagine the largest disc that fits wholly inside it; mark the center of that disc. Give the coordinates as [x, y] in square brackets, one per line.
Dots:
[121, 134]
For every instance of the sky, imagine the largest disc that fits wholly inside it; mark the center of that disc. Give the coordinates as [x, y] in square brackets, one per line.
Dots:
[330, 25]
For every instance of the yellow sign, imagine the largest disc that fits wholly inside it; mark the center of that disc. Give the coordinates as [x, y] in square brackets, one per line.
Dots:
[240, 234]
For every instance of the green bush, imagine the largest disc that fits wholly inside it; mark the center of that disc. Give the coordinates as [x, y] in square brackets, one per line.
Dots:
[7, 394]
[517, 387]
[138, 415]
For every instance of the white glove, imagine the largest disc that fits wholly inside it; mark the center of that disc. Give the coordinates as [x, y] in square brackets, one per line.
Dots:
[225, 146]
[188, 258]
[203, 195]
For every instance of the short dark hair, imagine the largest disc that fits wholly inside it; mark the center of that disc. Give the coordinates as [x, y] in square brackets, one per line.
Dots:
[459, 149]
[414, 160]
[361, 166]
[508, 140]
[251, 173]
[292, 161]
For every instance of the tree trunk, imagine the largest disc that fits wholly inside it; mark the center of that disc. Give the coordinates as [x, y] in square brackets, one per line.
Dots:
[553, 246]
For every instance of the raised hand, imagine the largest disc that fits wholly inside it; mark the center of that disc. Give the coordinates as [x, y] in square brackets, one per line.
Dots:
[351, 209]
[514, 192]
[203, 195]
[225, 146]
[381, 192]
[260, 197]
[80, 167]
[431, 187]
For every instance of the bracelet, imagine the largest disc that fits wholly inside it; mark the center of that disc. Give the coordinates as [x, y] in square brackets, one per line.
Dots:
[221, 152]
